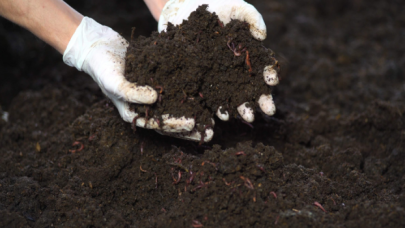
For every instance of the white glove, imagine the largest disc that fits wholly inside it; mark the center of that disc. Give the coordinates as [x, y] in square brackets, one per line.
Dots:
[100, 52]
[175, 11]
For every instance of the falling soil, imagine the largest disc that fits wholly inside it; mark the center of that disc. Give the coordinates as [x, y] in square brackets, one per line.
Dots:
[332, 156]
[199, 66]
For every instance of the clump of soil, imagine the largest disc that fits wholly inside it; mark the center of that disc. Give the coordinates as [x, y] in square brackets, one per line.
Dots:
[337, 139]
[195, 70]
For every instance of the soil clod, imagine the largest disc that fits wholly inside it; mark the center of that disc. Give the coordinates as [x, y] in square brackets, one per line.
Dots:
[199, 66]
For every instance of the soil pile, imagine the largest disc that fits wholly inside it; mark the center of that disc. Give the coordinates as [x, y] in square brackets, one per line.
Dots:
[92, 170]
[67, 159]
[198, 66]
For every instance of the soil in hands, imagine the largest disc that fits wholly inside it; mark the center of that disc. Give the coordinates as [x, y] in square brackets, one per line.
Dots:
[199, 66]
[337, 139]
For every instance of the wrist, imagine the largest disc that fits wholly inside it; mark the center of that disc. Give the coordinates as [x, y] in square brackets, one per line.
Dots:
[86, 34]
[53, 21]
[90, 37]
[155, 7]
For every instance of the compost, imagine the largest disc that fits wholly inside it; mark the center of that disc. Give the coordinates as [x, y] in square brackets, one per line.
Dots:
[198, 66]
[332, 156]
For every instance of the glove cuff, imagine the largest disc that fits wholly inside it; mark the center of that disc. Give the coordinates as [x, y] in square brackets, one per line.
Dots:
[87, 33]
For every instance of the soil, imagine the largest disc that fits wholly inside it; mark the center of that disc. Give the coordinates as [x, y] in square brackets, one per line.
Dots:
[336, 141]
[195, 71]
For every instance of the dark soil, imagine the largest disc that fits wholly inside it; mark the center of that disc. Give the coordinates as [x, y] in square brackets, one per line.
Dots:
[195, 71]
[337, 139]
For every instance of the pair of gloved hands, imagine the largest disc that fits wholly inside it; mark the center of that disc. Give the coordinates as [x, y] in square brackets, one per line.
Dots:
[100, 52]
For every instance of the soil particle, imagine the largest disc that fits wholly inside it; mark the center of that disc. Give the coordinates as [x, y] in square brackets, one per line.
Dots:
[199, 66]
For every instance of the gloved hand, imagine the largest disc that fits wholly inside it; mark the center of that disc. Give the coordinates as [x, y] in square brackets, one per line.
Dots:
[100, 52]
[175, 11]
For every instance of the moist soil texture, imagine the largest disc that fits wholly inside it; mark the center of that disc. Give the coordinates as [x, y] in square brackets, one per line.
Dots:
[332, 156]
[199, 66]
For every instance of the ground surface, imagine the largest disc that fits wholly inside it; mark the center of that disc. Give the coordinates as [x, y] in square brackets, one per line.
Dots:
[338, 136]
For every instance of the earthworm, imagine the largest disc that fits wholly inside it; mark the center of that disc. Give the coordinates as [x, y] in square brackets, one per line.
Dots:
[233, 49]
[220, 23]
[91, 138]
[248, 61]
[275, 223]
[141, 148]
[320, 206]
[198, 36]
[227, 182]
[248, 183]
[146, 116]
[199, 186]
[159, 87]
[140, 167]
[80, 148]
[134, 123]
[250, 125]
[240, 153]
[197, 224]
[261, 167]
[192, 175]
[178, 179]
[274, 195]
[156, 180]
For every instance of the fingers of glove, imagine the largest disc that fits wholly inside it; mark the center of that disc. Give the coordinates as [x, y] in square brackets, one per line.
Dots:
[193, 135]
[175, 11]
[116, 87]
[270, 75]
[136, 94]
[168, 124]
[106, 64]
[123, 108]
[222, 114]
[150, 123]
[170, 13]
[267, 105]
[246, 112]
[109, 76]
[173, 124]
[243, 12]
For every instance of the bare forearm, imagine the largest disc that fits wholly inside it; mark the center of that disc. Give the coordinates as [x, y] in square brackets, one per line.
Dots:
[155, 7]
[51, 20]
